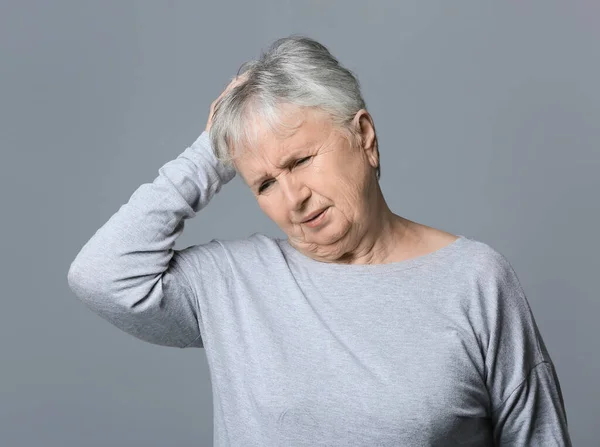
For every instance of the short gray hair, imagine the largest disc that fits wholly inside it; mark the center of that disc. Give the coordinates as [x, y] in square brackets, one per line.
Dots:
[294, 70]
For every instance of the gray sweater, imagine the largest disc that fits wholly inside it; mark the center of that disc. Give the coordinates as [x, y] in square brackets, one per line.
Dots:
[438, 350]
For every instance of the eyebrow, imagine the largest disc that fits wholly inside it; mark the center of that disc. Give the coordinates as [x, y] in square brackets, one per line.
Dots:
[284, 163]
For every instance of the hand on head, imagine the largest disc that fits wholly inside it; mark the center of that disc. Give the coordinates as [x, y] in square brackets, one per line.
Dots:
[234, 82]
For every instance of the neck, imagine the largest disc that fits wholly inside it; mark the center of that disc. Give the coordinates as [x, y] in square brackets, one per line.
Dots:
[379, 242]
[375, 240]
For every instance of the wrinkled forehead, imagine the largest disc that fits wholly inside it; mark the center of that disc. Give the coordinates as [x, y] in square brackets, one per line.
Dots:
[260, 131]
[266, 141]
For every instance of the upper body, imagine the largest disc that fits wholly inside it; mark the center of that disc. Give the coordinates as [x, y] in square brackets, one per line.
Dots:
[361, 328]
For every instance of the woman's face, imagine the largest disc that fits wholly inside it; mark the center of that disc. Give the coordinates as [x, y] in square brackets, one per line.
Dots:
[315, 168]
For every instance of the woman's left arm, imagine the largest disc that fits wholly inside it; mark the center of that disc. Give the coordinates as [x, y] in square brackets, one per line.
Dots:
[526, 399]
[533, 414]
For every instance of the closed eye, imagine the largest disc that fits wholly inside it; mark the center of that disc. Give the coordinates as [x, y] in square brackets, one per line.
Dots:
[302, 160]
[266, 184]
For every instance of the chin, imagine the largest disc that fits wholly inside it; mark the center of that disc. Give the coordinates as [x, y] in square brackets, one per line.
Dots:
[329, 235]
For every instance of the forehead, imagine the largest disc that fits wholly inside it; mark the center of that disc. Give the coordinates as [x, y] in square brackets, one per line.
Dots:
[300, 130]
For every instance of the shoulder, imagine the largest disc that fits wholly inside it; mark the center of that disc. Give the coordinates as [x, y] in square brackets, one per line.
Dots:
[486, 279]
[469, 256]
[485, 262]
[254, 242]
[492, 283]
[229, 258]
[224, 249]
[256, 248]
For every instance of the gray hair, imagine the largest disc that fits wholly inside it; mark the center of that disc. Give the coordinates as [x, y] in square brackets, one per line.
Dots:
[294, 70]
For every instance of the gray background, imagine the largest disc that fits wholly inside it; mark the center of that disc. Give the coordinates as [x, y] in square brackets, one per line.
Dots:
[488, 118]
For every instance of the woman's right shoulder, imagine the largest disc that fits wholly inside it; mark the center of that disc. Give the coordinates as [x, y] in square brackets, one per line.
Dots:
[256, 247]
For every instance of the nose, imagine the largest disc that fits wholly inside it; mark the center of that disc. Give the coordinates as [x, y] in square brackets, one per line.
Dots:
[295, 191]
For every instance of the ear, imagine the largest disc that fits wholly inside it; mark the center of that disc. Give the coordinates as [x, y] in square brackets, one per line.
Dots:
[363, 123]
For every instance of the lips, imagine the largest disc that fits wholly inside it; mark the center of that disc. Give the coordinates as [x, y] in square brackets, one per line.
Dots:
[311, 216]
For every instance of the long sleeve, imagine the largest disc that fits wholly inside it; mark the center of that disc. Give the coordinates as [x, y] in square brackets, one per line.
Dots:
[129, 273]
[525, 394]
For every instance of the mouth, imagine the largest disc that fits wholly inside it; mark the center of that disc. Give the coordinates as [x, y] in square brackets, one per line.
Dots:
[314, 216]
[317, 220]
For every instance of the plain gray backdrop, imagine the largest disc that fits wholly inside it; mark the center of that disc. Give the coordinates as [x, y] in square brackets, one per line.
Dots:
[488, 116]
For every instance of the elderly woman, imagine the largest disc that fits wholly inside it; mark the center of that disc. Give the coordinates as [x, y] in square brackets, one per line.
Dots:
[362, 328]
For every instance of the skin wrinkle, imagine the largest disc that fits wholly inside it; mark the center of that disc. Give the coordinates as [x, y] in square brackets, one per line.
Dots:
[359, 227]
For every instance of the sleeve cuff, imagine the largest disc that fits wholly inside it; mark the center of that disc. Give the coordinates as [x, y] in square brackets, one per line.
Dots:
[225, 173]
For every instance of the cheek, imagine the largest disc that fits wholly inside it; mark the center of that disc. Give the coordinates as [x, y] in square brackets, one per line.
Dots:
[324, 180]
[273, 211]
[338, 180]
[266, 207]
[343, 190]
